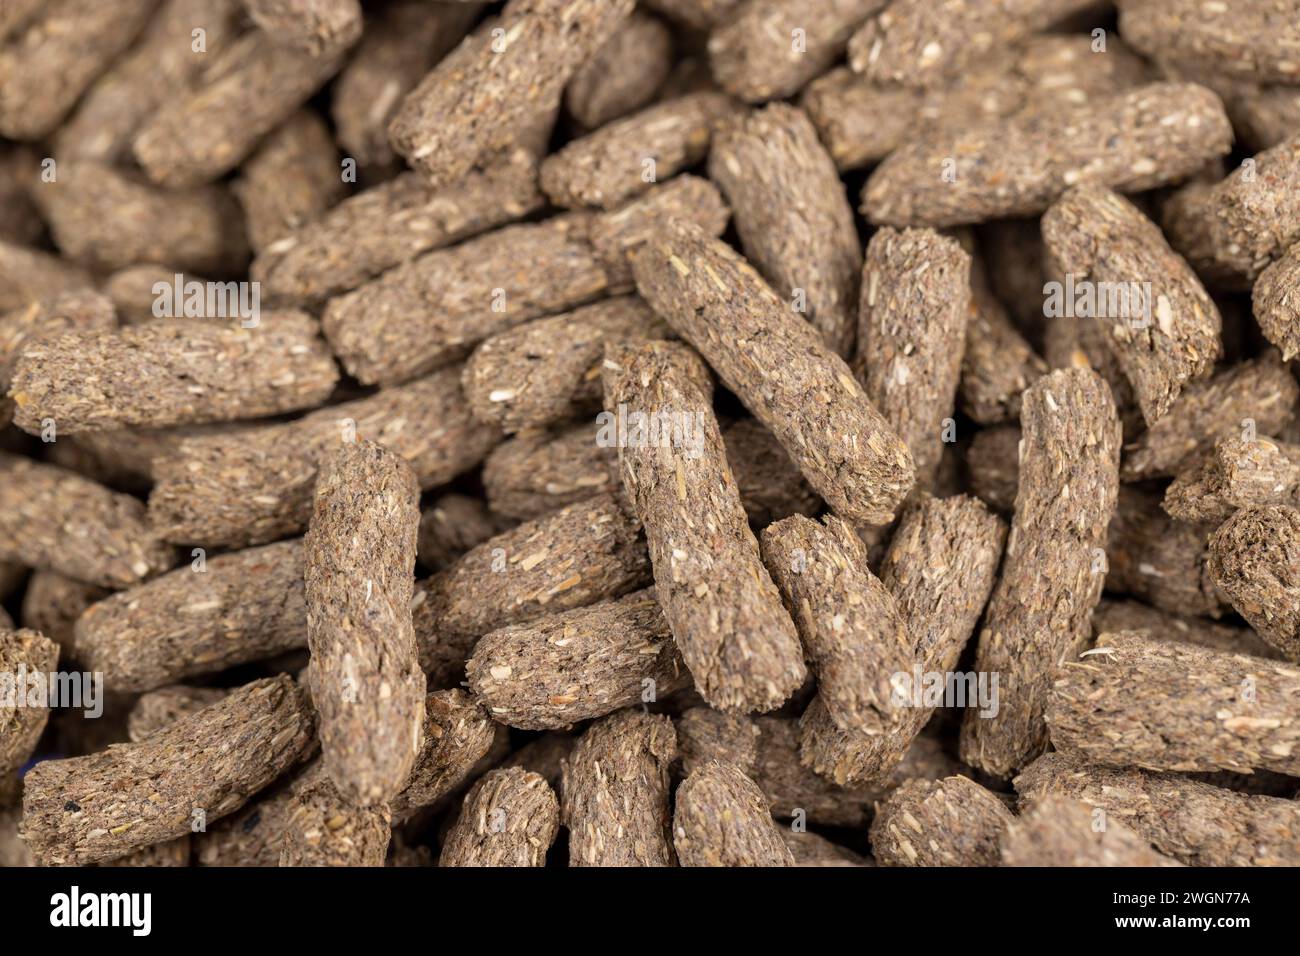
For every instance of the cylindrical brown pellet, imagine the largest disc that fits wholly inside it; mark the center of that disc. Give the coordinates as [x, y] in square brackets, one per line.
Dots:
[911, 331]
[358, 576]
[624, 74]
[1068, 485]
[180, 372]
[163, 707]
[777, 365]
[99, 807]
[314, 26]
[509, 818]
[252, 87]
[1170, 332]
[770, 48]
[794, 220]
[1059, 831]
[24, 655]
[1216, 711]
[475, 102]
[322, 828]
[1254, 559]
[55, 56]
[705, 734]
[1259, 394]
[390, 224]
[52, 604]
[1114, 615]
[254, 835]
[457, 735]
[615, 792]
[105, 219]
[452, 525]
[1160, 133]
[723, 819]
[548, 370]
[1161, 561]
[255, 486]
[560, 669]
[51, 518]
[993, 467]
[1254, 38]
[724, 611]
[697, 14]
[1193, 822]
[403, 41]
[1236, 473]
[852, 632]
[29, 275]
[949, 822]
[213, 614]
[613, 164]
[810, 849]
[1277, 303]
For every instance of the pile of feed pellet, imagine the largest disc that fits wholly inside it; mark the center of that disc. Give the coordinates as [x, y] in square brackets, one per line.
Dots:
[675, 432]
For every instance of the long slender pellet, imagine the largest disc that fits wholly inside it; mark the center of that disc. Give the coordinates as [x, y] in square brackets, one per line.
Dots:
[1068, 486]
[548, 370]
[390, 224]
[1193, 822]
[313, 26]
[322, 828]
[358, 574]
[794, 219]
[186, 371]
[1116, 615]
[615, 792]
[255, 486]
[1234, 474]
[1158, 133]
[162, 64]
[1218, 711]
[1254, 38]
[1157, 559]
[941, 566]
[29, 275]
[99, 807]
[723, 819]
[49, 63]
[431, 310]
[724, 611]
[290, 180]
[163, 707]
[199, 619]
[52, 603]
[52, 518]
[403, 41]
[457, 735]
[852, 632]
[555, 671]
[920, 43]
[912, 322]
[475, 102]
[253, 86]
[627, 157]
[1259, 393]
[998, 363]
[106, 219]
[949, 822]
[452, 525]
[777, 365]
[624, 74]
[1277, 303]
[1059, 831]
[769, 49]
[509, 818]
[24, 654]
[1254, 559]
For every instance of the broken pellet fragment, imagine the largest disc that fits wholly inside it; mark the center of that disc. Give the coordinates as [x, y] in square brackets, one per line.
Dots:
[724, 611]
[358, 574]
[723, 819]
[199, 619]
[777, 365]
[1068, 486]
[1159, 321]
[165, 706]
[509, 818]
[575, 665]
[1217, 711]
[1160, 133]
[616, 790]
[1254, 560]
[26, 658]
[255, 486]
[313, 26]
[793, 217]
[179, 372]
[949, 822]
[1236, 473]
[1193, 822]
[52, 518]
[457, 735]
[1253, 39]
[1059, 831]
[99, 807]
